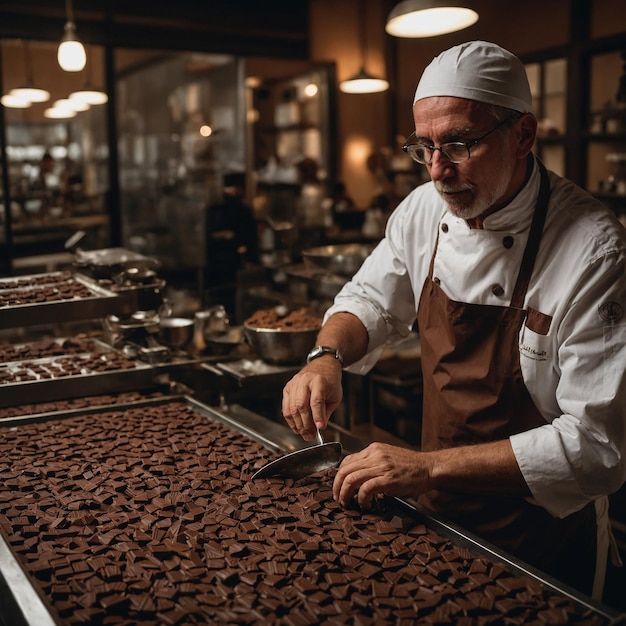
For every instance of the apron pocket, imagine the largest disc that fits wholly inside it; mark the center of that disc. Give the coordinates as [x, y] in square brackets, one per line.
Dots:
[538, 322]
[533, 345]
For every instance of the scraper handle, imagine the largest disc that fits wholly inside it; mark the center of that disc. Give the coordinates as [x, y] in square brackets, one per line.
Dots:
[320, 439]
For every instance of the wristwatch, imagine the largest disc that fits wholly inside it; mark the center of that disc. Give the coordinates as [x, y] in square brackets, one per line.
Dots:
[321, 351]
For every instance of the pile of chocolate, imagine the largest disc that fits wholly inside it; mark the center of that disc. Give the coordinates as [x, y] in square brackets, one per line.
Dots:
[42, 288]
[148, 516]
[299, 319]
[45, 348]
[74, 404]
[69, 365]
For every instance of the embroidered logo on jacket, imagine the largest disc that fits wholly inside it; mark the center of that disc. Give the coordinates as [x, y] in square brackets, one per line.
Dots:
[611, 312]
[533, 353]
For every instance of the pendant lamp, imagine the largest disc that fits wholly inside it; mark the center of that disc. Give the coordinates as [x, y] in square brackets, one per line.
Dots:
[71, 54]
[28, 92]
[363, 82]
[427, 18]
[89, 94]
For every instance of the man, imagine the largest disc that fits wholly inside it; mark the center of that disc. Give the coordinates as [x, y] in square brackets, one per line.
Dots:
[517, 278]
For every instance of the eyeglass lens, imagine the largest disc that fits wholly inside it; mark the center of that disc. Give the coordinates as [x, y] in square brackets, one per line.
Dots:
[454, 152]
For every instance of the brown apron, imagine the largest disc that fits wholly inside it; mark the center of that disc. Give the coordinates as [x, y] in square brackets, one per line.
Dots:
[474, 392]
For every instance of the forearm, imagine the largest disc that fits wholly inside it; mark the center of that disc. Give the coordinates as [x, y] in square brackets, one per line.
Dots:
[346, 333]
[489, 468]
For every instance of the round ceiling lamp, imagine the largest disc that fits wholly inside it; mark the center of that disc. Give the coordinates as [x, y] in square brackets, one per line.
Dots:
[89, 96]
[59, 113]
[363, 82]
[428, 18]
[28, 91]
[11, 101]
[32, 94]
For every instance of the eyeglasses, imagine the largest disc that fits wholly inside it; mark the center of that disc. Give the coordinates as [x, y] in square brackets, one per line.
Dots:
[454, 151]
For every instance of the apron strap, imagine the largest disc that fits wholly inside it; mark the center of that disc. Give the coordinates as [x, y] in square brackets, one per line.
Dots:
[534, 237]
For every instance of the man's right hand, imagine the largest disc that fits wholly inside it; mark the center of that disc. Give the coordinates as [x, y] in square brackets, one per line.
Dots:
[312, 395]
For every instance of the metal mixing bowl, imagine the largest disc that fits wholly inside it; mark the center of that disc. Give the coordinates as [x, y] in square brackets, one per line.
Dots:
[176, 332]
[281, 347]
[342, 259]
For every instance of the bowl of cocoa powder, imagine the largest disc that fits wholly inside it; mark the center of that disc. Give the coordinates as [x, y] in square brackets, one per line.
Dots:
[280, 336]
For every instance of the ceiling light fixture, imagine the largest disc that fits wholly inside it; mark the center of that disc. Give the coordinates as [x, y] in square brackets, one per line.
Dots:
[89, 94]
[362, 82]
[14, 102]
[71, 54]
[57, 113]
[28, 91]
[427, 18]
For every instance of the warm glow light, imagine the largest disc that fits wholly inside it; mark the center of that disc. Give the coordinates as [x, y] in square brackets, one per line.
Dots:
[14, 102]
[310, 90]
[64, 103]
[78, 105]
[32, 94]
[59, 113]
[206, 131]
[71, 105]
[90, 96]
[356, 149]
[427, 18]
[71, 54]
[363, 83]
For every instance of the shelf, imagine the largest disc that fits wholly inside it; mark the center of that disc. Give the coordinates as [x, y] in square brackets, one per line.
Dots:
[551, 140]
[606, 137]
[299, 127]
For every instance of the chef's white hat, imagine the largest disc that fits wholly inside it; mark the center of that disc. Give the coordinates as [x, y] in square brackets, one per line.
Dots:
[478, 70]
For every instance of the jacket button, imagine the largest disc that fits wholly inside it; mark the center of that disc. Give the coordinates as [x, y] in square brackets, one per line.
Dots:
[508, 241]
[497, 290]
[444, 227]
[436, 281]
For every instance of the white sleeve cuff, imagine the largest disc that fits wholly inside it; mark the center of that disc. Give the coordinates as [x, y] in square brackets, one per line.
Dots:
[544, 465]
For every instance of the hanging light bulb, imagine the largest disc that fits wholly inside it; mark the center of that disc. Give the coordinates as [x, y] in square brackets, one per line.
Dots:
[71, 54]
[362, 82]
[427, 18]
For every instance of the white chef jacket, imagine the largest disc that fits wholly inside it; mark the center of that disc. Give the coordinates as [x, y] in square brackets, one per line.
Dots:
[575, 373]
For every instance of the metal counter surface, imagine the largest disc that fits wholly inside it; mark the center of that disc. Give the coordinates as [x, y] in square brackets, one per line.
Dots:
[22, 604]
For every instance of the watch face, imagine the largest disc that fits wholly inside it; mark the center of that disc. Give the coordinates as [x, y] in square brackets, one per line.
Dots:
[320, 350]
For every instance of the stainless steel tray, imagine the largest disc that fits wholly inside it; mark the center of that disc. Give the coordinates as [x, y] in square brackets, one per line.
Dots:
[83, 382]
[100, 302]
[23, 604]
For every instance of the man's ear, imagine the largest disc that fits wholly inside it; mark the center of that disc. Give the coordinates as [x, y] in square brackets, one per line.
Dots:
[526, 134]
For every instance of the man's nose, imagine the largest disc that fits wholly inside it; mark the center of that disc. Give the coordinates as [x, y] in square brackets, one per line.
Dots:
[440, 167]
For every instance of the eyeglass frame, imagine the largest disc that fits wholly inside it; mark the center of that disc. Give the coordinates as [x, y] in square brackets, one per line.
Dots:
[466, 144]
